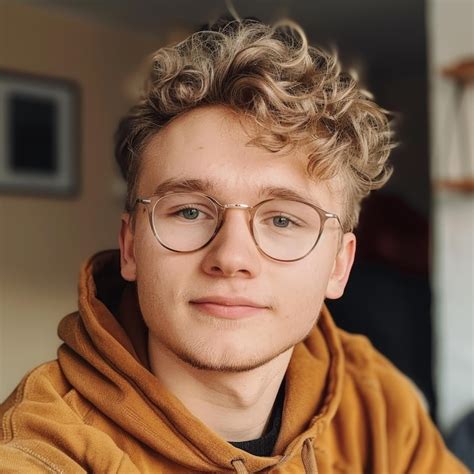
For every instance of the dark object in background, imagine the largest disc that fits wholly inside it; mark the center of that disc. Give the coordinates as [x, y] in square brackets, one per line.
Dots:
[461, 440]
[388, 295]
[392, 232]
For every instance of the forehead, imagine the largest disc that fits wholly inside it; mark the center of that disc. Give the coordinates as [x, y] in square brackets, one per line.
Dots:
[212, 145]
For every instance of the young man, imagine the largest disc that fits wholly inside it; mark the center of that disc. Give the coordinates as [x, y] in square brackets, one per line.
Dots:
[204, 344]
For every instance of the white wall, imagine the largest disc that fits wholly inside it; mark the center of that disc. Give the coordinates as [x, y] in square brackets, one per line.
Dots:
[451, 38]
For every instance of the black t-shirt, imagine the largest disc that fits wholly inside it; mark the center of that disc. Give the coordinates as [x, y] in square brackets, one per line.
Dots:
[263, 446]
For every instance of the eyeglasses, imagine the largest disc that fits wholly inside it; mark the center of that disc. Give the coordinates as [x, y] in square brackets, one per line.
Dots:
[284, 230]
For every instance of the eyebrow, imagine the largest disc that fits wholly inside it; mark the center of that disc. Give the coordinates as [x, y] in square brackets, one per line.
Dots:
[208, 187]
[184, 185]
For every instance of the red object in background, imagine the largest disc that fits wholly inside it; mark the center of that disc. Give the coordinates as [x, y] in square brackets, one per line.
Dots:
[392, 232]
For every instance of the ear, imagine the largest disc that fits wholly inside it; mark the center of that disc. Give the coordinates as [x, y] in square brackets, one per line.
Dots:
[342, 267]
[127, 251]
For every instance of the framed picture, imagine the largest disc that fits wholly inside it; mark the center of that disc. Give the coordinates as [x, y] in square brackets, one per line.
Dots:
[39, 135]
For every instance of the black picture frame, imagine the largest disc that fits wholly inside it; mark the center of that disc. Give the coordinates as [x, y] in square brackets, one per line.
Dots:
[39, 135]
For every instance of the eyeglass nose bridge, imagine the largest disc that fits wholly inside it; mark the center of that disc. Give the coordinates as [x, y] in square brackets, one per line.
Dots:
[221, 217]
[235, 206]
[241, 206]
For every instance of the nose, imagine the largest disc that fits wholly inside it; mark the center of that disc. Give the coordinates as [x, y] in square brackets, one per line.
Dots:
[233, 251]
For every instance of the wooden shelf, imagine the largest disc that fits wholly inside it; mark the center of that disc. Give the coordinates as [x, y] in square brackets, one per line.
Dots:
[461, 185]
[462, 71]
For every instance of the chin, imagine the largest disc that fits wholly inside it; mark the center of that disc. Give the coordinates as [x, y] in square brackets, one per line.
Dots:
[234, 360]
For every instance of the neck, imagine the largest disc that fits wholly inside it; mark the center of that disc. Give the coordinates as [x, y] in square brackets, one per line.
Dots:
[236, 405]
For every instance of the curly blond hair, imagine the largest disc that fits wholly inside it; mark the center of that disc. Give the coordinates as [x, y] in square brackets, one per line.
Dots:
[296, 94]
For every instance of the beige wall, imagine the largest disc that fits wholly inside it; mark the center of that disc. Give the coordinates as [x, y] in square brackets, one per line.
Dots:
[43, 241]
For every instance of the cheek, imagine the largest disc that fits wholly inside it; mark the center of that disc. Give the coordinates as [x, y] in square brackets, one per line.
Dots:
[304, 286]
[163, 277]
[157, 292]
[150, 255]
[153, 281]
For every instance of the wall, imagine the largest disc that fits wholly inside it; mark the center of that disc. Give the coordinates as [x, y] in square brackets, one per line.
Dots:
[43, 240]
[451, 38]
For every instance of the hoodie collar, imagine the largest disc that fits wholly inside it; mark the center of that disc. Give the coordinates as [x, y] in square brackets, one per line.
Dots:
[105, 346]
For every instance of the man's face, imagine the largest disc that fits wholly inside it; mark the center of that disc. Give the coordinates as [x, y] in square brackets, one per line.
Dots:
[211, 144]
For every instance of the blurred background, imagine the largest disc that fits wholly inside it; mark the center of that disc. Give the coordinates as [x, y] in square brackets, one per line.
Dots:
[411, 290]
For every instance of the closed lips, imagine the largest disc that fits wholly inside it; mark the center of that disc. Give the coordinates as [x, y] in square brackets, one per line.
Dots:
[228, 301]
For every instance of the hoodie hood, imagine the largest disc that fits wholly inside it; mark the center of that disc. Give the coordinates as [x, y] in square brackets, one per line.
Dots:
[104, 357]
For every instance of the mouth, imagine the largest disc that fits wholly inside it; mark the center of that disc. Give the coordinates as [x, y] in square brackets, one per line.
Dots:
[228, 308]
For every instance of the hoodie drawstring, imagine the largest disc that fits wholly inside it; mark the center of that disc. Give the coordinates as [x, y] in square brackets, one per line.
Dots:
[239, 466]
[308, 457]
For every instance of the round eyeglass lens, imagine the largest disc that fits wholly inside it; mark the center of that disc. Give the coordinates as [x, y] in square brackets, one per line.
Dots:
[286, 230]
[184, 221]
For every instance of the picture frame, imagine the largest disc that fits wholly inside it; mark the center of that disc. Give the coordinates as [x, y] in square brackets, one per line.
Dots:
[39, 135]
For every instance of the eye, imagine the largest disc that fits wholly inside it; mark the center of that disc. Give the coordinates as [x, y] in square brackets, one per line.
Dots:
[281, 221]
[189, 213]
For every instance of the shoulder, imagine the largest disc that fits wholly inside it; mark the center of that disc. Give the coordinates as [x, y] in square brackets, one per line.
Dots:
[373, 376]
[43, 391]
[44, 425]
[391, 411]
[365, 363]
[43, 395]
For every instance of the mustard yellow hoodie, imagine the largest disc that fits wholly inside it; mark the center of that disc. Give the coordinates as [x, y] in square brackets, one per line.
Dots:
[98, 408]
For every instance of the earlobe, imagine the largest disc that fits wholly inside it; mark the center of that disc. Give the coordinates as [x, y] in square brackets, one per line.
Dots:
[128, 267]
[342, 267]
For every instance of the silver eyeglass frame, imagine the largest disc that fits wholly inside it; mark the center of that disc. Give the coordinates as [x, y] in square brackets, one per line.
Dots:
[152, 201]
